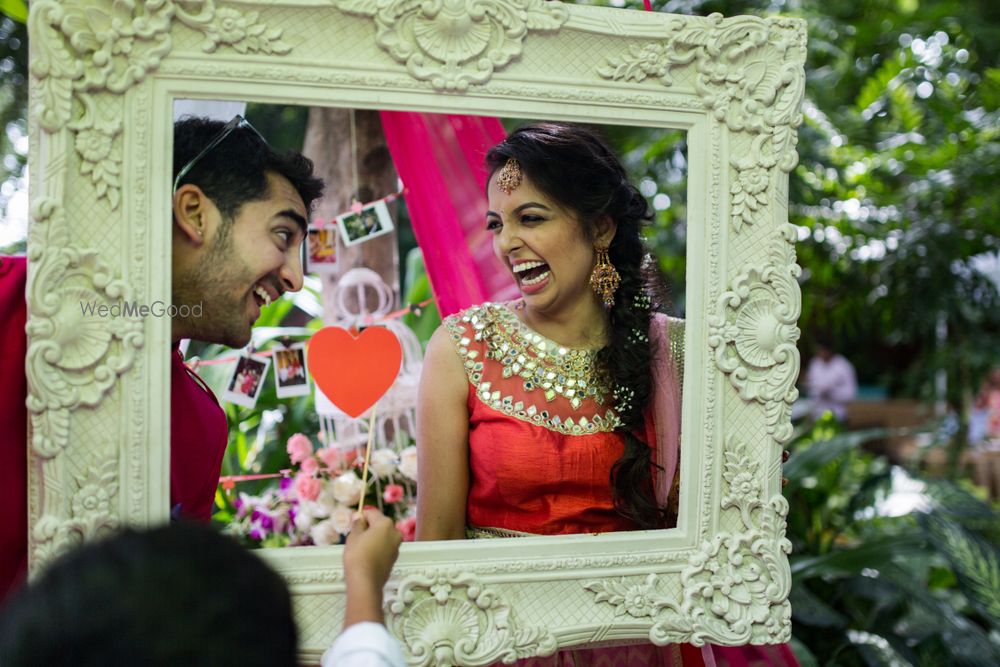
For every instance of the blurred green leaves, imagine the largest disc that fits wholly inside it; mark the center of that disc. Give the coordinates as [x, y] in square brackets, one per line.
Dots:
[879, 583]
[15, 9]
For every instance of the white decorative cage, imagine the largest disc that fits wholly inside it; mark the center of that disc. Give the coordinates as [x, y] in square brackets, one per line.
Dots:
[395, 418]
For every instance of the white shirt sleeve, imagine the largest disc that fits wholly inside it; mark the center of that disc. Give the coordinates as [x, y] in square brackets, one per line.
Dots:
[845, 386]
[364, 645]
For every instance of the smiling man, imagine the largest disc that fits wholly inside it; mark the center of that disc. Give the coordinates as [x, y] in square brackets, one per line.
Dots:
[240, 212]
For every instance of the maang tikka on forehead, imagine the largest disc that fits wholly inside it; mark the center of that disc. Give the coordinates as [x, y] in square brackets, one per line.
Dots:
[510, 176]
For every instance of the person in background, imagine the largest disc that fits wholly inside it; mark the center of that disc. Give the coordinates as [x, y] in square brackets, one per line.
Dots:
[183, 594]
[984, 434]
[830, 382]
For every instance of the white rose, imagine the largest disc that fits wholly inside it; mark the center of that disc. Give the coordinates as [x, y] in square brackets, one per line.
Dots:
[347, 488]
[313, 508]
[383, 462]
[324, 533]
[340, 518]
[326, 499]
[408, 462]
[304, 521]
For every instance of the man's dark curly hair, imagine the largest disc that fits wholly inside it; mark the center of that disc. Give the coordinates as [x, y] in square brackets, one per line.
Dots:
[234, 173]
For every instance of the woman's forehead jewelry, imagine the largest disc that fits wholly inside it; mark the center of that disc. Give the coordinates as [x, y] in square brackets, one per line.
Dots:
[510, 176]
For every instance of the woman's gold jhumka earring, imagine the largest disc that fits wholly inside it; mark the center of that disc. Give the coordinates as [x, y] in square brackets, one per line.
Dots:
[604, 279]
[510, 176]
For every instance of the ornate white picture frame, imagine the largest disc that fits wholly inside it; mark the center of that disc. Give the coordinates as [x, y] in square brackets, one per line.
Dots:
[104, 75]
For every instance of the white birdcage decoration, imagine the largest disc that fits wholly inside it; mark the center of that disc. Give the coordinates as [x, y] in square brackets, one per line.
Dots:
[395, 418]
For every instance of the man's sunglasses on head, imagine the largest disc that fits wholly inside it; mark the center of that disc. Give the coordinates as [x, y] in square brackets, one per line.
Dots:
[237, 122]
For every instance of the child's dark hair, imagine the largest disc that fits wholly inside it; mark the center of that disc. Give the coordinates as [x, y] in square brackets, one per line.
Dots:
[177, 595]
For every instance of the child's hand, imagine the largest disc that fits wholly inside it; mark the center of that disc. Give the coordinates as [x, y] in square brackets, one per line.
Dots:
[371, 549]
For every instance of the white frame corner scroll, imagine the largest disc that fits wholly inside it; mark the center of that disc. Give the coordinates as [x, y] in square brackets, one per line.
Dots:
[103, 77]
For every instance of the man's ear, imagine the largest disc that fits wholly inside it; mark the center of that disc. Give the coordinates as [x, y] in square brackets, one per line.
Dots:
[606, 228]
[190, 209]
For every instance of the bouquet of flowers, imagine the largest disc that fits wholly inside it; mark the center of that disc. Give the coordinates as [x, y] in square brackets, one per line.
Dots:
[316, 500]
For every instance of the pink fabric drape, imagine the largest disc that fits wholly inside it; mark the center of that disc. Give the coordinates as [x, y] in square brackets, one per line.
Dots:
[439, 157]
[666, 405]
[14, 419]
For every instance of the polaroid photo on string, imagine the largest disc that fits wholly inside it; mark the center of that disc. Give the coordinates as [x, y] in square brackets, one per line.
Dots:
[291, 377]
[371, 221]
[247, 380]
[323, 248]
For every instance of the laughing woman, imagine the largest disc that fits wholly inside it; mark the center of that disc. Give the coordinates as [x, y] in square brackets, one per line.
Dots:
[557, 413]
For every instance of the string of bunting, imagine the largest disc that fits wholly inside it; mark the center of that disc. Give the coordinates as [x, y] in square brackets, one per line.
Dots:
[369, 321]
[228, 482]
[356, 206]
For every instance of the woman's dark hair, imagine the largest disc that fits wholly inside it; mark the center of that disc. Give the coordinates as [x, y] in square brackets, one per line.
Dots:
[178, 595]
[574, 166]
[234, 173]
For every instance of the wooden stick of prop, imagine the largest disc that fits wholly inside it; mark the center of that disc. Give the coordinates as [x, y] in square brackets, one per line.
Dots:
[368, 456]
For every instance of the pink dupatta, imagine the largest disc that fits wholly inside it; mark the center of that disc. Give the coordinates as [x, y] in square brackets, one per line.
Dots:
[440, 159]
[665, 407]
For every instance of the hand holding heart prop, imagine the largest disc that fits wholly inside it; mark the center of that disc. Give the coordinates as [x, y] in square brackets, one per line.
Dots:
[355, 372]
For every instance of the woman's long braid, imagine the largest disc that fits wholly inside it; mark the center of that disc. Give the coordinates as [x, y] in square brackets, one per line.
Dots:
[628, 360]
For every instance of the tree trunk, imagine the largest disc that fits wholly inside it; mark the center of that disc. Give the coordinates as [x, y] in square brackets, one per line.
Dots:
[364, 175]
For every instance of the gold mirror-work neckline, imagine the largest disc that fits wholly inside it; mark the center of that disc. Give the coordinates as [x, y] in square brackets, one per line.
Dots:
[544, 368]
[540, 343]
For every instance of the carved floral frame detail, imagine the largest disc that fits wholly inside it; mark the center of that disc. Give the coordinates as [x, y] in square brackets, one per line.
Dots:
[103, 74]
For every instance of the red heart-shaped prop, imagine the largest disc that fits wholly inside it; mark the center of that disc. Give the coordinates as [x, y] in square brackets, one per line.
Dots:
[354, 372]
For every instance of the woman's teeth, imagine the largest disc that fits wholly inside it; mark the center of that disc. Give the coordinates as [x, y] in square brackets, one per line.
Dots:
[522, 270]
[537, 279]
[262, 293]
[527, 266]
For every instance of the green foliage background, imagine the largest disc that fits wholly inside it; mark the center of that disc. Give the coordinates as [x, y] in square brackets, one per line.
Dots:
[888, 567]
[895, 189]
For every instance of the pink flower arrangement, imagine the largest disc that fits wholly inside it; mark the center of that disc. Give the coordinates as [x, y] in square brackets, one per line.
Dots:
[307, 487]
[299, 448]
[331, 457]
[313, 504]
[408, 527]
[393, 493]
[309, 466]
